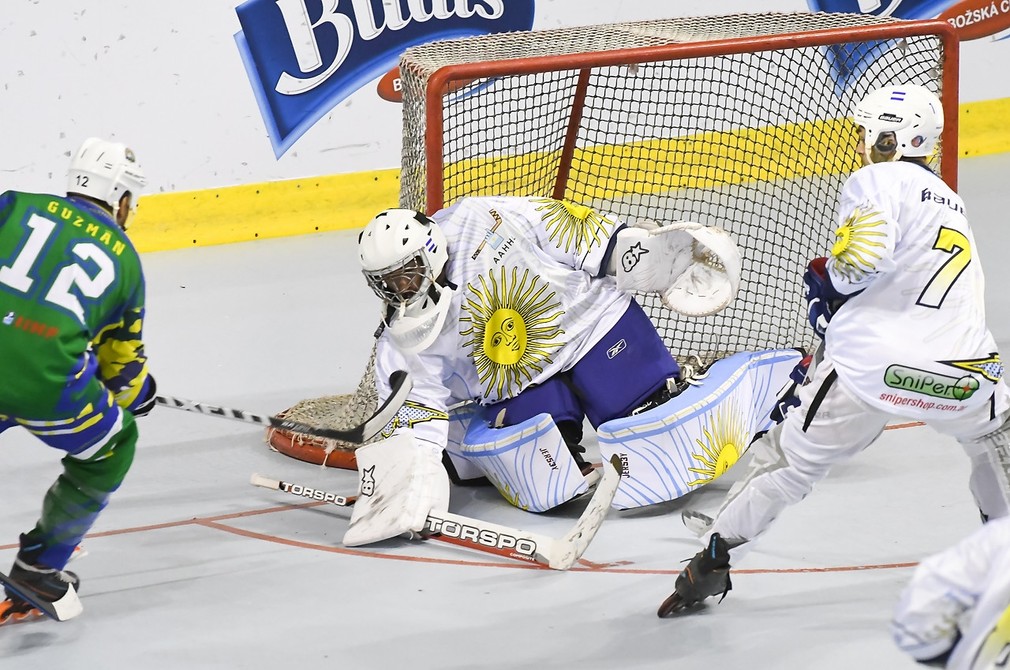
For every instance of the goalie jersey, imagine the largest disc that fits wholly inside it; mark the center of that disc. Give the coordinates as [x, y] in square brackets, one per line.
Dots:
[963, 591]
[530, 297]
[913, 339]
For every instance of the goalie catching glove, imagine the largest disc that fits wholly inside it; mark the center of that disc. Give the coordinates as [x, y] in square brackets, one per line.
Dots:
[402, 481]
[695, 269]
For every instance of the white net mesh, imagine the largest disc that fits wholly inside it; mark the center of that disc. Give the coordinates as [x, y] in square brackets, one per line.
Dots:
[752, 138]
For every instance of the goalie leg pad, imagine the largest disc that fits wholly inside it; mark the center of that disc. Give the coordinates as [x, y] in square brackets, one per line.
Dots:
[830, 426]
[695, 437]
[529, 462]
[402, 481]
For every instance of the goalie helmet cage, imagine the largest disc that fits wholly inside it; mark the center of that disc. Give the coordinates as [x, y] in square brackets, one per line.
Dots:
[737, 121]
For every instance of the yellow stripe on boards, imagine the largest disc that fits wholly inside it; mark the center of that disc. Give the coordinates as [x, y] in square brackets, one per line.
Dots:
[984, 127]
[348, 201]
[704, 160]
[257, 211]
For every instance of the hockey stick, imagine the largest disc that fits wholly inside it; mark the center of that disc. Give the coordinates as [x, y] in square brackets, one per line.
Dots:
[400, 382]
[65, 608]
[303, 491]
[556, 553]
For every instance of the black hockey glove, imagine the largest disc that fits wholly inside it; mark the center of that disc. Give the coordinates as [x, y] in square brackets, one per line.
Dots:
[823, 300]
[144, 403]
[789, 399]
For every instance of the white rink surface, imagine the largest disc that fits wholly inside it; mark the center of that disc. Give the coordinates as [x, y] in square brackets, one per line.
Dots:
[190, 567]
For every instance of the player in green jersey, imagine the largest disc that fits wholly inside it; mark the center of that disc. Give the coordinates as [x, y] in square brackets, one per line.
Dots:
[71, 354]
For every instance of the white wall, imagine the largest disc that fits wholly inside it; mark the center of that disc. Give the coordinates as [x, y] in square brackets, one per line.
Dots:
[168, 79]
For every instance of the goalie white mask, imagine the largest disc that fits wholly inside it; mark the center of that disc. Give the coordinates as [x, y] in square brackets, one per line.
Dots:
[402, 254]
[912, 113]
[106, 171]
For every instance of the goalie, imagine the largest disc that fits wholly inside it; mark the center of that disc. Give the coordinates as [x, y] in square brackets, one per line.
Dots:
[523, 306]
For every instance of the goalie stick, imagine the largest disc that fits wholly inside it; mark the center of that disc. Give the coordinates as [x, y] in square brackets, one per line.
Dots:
[65, 608]
[399, 381]
[556, 553]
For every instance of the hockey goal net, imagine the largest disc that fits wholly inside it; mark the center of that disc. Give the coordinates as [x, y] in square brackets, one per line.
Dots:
[737, 121]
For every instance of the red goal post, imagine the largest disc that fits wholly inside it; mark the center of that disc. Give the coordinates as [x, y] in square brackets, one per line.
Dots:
[739, 121]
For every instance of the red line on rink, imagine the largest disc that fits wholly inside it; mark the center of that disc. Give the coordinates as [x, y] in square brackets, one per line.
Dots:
[896, 426]
[616, 567]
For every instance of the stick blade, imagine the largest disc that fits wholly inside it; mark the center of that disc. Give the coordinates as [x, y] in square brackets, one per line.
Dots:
[63, 609]
[576, 541]
[68, 606]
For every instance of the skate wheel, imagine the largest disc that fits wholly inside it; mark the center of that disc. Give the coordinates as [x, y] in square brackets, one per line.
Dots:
[671, 605]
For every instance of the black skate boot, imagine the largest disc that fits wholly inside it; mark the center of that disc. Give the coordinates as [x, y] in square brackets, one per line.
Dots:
[571, 433]
[706, 575]
[44, 583]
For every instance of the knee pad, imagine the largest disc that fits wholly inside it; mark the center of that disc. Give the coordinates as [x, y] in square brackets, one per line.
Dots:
[696, 436]
[461, 470]
[529, 463]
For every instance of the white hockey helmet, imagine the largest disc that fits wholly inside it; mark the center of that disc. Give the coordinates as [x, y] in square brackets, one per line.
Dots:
[402, 254]
[106, 171]
[911, 112]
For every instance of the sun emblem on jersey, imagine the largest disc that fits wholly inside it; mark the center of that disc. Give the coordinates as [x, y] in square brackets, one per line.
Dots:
[513, 329]
[573, 227]
[859, 243]
[725, 439]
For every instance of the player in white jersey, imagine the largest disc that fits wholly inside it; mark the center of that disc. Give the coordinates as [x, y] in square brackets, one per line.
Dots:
[955, 613]
[521, 306]
[899, 303]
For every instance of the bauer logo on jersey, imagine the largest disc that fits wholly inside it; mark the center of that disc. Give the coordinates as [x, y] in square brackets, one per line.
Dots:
[304, 57]
[513, 329]
[951, 203]
[930, 383]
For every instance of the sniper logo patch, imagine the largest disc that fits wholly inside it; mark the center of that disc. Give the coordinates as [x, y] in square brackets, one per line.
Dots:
[930, 383]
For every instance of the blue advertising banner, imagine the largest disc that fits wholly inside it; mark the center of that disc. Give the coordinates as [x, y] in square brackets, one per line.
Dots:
[971, 18]
[899, 9]
[304, 57]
